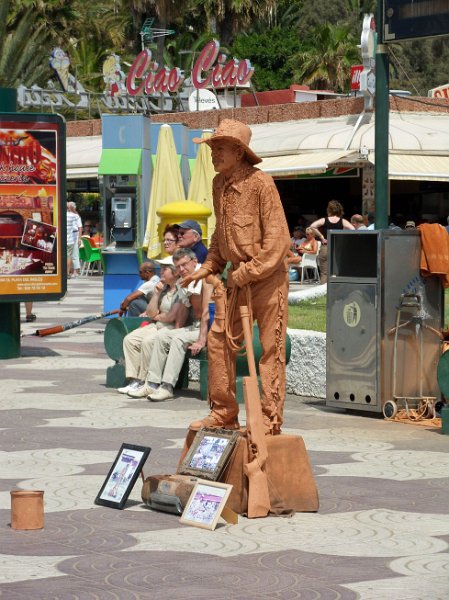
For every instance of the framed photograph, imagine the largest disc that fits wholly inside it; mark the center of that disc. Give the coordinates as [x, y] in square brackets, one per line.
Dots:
[205, 504]
[122, 476]
[209, 453]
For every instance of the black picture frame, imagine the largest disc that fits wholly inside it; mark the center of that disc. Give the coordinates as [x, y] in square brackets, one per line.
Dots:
[122, 476]
[209, 453]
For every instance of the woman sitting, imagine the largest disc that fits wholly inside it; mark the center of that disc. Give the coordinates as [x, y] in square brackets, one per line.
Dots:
[309, 246]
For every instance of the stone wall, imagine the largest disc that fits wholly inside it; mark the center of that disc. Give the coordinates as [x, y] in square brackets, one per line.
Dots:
[306, 370]
[274, 113]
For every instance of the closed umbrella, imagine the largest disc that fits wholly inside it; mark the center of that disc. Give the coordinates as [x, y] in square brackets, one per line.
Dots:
[166, 187]
[200, 189]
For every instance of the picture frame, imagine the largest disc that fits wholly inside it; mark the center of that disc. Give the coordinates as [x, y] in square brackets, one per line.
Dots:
[122, 475]
[206, 503]
[209, 453]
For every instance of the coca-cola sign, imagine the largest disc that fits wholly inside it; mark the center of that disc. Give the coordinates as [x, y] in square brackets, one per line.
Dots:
[211, 69]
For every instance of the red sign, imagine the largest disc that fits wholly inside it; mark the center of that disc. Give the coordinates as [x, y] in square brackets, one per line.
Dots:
[439, 92]
[223, 74]
[205, 72]
[355, 76]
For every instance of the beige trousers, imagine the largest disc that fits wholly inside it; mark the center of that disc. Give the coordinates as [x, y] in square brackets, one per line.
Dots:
[169, 352]
[138, 348]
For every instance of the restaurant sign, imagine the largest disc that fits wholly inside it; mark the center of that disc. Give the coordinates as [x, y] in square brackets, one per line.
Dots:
[146, 88]
[211, 70]
[32, 207]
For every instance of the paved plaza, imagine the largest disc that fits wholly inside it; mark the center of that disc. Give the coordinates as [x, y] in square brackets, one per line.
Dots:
[382, 530]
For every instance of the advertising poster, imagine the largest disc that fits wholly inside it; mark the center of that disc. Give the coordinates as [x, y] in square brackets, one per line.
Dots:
[32, 207]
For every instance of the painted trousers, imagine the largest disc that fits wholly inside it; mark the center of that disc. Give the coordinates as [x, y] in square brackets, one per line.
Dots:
[269, 299]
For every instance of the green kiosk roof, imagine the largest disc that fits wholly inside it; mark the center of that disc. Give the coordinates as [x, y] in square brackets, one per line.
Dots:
[123, 161]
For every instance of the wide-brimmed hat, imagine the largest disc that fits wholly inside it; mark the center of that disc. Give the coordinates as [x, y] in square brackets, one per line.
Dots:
[235, 132]
[167, 261]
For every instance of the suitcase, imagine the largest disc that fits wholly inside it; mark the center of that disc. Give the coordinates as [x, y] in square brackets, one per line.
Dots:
[291, 483]
[168, 493]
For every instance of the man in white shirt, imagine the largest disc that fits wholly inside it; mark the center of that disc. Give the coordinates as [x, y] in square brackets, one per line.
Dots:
[170, 346]
[136, 302]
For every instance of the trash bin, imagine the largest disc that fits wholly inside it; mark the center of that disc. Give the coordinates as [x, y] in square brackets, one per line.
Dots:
[382, 321]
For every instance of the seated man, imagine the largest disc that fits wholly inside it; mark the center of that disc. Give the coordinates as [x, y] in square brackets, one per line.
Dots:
[163, 310]
[170, 346]
[189, 236]
[136, 302]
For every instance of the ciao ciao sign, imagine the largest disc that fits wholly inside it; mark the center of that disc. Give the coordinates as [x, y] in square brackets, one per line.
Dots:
[210, 70]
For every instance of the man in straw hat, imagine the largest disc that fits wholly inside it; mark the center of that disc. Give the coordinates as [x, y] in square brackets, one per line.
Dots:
[251, 233]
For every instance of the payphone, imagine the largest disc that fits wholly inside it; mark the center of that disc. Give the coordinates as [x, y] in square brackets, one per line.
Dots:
[122, 218]
[120, 193]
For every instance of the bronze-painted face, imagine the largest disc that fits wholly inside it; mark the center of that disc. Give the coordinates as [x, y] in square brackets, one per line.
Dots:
[226, 156]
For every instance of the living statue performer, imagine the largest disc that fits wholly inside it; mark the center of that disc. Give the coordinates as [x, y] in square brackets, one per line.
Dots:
[251, 233]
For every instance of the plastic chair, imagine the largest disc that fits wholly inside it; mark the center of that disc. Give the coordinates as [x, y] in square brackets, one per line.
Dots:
[309, 261]
[93, 257]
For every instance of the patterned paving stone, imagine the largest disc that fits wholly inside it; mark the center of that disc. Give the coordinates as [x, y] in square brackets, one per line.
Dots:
[382, 531]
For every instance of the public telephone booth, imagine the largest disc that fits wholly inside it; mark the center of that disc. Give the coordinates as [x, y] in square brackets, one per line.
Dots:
[383, 321]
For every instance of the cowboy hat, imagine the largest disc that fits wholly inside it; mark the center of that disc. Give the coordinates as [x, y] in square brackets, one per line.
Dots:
[232, 131]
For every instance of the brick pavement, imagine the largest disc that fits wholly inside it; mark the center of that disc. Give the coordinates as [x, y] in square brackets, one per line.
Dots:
[382, 531]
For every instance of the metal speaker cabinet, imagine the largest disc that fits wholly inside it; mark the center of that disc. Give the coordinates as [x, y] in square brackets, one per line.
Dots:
[383, 320]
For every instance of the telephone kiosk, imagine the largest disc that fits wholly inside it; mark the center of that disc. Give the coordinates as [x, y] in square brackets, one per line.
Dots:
[120, 232]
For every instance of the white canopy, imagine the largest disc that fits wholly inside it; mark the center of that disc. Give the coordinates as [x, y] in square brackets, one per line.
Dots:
[83, 156]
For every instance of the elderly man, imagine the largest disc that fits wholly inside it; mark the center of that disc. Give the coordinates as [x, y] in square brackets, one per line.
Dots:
[136, 302]
[252, 234]
[170, 346]
[189, 236]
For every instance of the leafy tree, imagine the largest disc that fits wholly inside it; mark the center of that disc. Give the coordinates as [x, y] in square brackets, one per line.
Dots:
[326, 58]
[24, 47]
[269, 52]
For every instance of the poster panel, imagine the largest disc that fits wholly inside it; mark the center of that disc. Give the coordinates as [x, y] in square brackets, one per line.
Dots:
[32, 207]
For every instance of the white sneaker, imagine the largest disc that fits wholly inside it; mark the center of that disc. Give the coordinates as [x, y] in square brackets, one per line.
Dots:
[131, 386]
[142, 391]
[160, 395]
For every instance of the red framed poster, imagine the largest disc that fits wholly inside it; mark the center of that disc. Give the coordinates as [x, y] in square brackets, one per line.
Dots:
[32, 207]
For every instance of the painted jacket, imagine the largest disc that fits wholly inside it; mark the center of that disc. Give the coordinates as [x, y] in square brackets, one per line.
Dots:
[251, 230]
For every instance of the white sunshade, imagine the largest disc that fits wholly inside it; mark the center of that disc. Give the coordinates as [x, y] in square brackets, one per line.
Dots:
[308, 163]
[421, 133]
[418, 167]
[83, 156]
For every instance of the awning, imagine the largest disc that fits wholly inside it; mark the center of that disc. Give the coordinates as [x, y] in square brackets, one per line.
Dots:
[308, 163]
[418, 167]
[83, 156]
[127, 161]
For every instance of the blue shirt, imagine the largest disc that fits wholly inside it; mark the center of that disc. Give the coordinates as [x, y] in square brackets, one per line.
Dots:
[200, 251]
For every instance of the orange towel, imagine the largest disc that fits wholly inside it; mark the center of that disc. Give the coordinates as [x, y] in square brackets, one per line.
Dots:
[434, 251]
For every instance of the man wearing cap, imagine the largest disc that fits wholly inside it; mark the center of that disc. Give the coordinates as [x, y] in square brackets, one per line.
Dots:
[136, 302]
[190, 237]
[251, 233]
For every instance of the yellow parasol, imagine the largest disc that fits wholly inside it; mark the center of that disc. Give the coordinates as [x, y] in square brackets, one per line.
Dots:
[200, 189]
[166, 187]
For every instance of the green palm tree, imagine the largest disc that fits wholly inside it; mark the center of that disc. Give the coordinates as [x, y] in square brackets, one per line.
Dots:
[325, 62]
[24, 48]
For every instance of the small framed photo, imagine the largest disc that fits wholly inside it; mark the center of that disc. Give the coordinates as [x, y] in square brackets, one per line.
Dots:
[209, 453]
[39, 235]
[122, 476]
[206, 503]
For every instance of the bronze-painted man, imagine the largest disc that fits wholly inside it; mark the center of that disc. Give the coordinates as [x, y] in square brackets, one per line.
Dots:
[251, 233]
